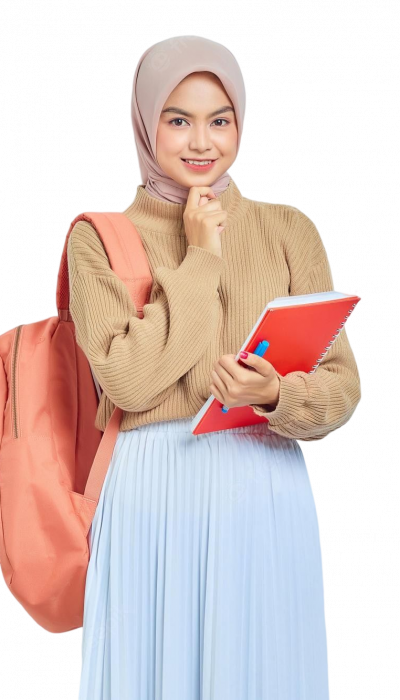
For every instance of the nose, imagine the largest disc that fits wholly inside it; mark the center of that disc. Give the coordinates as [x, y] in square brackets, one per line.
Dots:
[200, 140]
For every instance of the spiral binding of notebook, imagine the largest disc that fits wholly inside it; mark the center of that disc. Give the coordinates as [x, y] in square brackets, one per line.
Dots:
[335, 335]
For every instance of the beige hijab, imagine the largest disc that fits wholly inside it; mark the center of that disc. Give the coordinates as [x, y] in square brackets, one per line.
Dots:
[160, 69]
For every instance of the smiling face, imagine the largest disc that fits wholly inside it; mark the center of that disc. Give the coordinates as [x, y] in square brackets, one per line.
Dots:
[197, 122]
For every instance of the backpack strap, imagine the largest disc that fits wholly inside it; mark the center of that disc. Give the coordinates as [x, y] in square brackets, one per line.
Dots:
[128, 259]
[125, 251]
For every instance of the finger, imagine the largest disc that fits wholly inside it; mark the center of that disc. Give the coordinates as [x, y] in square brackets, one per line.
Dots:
[219, 380]
[215, 391]
[256, 362]
[223, 374]
[228, 368]
[195, 193]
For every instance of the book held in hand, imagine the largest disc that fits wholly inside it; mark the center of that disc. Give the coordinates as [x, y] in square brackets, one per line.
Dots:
[300, 331]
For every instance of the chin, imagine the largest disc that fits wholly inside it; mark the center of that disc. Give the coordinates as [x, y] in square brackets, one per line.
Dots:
[203, 180]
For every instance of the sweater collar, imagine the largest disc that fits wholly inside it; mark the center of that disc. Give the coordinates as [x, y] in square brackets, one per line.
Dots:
[153, 214]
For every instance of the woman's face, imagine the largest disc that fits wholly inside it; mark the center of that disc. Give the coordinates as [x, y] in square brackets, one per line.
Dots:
[190, 129]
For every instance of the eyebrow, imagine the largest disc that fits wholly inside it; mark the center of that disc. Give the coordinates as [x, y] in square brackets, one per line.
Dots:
[177, 110]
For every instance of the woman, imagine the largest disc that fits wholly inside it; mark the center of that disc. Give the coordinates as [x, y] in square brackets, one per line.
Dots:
[205, 576]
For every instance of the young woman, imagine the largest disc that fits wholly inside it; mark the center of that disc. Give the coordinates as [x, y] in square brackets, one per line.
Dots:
[205, 576]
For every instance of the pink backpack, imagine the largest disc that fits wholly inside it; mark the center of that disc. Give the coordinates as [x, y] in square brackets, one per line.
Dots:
[53, 460]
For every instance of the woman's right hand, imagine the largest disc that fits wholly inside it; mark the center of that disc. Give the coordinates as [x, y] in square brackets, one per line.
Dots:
[203, 218]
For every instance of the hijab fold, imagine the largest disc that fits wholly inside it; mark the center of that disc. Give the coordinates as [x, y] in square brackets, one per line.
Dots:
[160, 69]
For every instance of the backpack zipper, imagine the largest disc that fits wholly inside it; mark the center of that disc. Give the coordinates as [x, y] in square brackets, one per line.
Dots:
[14, 381]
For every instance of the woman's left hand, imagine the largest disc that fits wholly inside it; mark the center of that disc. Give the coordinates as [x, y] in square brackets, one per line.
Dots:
[235, 385]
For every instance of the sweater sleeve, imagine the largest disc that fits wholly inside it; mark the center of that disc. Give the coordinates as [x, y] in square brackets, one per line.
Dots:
[138, 361]
[310, 406]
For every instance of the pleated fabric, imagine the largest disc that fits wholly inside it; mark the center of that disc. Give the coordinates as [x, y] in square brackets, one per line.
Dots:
[205, 573]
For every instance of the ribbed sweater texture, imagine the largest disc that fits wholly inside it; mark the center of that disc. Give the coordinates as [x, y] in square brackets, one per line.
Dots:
[201, 307]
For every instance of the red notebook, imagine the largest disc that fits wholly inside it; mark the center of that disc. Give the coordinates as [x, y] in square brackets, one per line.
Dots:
[300, 331]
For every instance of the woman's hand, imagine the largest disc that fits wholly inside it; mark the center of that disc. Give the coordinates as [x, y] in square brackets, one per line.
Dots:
[204, 219]
[234, 385]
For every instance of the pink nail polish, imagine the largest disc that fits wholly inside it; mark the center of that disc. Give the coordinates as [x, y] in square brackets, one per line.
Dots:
[244, 355]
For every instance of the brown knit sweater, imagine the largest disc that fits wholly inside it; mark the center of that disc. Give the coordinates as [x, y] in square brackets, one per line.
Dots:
[201, 307]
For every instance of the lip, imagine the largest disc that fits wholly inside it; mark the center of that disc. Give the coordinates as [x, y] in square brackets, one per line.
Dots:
[199, 168]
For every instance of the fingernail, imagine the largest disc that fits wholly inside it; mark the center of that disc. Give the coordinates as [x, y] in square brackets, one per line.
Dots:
[244, 355]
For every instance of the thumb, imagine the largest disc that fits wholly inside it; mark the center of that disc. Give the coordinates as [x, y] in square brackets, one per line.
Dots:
[258, 363]
[249, 358]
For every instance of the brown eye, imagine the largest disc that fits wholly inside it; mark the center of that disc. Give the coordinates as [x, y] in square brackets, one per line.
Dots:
[179, 119]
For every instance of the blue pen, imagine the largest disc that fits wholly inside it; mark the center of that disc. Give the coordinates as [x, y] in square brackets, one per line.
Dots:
[261, 349]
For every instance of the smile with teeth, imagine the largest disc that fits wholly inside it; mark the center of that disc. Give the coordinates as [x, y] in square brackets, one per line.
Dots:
[197, 162]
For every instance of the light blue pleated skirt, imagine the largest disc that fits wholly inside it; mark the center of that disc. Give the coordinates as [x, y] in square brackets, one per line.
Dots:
[205, 574]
